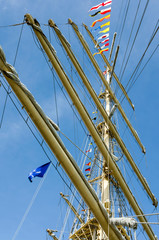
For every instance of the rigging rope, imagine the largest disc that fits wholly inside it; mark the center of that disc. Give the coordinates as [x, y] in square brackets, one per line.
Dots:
[133, 82]
[140, 61]
[124, 21]
[61, 87]
[79, 148]
[135, 39]
[72, 199]
[20, 36]
[133, 25]
[13, 25]
[119, 17]
[75, 72]
[4, 108]
[41, 144]
[7, 92]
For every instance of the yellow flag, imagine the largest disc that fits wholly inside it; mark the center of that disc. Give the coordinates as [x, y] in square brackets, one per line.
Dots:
[100, 20]
[104, 50]
[106, 24]
[105, 30]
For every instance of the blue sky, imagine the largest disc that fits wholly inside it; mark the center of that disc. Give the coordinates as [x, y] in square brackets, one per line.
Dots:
[19, 151]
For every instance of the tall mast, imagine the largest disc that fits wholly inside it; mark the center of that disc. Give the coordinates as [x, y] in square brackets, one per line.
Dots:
[105, 175]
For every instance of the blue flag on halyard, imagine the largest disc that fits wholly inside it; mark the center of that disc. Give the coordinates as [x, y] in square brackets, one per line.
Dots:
[39, 172]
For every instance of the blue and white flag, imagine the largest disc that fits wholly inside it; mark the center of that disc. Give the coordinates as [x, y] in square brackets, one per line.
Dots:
[39, 172]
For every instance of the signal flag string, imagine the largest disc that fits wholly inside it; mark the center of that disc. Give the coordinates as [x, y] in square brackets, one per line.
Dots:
[104, 39]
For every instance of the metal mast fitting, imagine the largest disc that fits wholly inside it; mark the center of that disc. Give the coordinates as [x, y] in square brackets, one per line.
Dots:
[102, 147]
[105, 115]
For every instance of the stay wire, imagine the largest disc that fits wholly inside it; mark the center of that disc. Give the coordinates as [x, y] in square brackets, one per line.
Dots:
[20, 36]
[152, 36]
[30, 205]
[95, 72]
[75, 72]
[134, 39]
[13, 25]
[124, 21]
[6, 98]
[54, 86]
[140, 61]
[4, 108]
[81, 149]
[131, 85]
[133, 25]
[119, 16]
[61, 87]
[41, 144]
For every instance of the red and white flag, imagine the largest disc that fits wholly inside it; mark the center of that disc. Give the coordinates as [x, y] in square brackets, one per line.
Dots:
[90, 150]
[106, 3]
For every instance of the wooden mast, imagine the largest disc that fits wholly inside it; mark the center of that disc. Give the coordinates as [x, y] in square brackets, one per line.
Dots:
[105, 175]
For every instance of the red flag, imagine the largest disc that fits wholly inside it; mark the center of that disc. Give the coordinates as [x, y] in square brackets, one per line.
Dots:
[106, 40]
[88, 169]
[104, 11]
[105, 45]
[103, 36]
[88, 164]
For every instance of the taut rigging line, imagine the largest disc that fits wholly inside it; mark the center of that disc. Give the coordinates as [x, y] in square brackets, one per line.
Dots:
[139, 63]
[135, 38]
